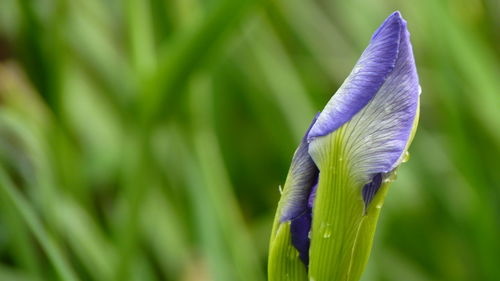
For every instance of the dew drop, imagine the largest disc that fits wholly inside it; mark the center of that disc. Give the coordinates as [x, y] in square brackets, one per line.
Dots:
[325, 228]
[392, 177]
[406, 157]
[280, 189]
[389, 179]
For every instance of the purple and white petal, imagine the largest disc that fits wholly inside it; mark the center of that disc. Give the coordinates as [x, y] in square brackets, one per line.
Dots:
[366, 78]
[303, 175]
[312, 196]
[375, 136]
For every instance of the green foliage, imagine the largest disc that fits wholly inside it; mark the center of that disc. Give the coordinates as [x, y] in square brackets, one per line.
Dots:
[145, 140]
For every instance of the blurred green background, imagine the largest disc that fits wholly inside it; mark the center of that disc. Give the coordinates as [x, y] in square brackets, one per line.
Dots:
[146, 140]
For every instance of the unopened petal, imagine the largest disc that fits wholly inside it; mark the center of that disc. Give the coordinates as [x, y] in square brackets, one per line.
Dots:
[376, 136]
[303, 175]
[365, 80]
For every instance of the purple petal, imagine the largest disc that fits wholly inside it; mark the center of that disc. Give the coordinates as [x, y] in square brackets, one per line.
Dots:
[376, 136]
[312, 196]
[370, 189]
[368, 75]
[303, 175]
[299, 229]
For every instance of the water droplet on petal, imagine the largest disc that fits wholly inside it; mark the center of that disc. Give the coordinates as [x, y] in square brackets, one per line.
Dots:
[406, 157]
[391, 177]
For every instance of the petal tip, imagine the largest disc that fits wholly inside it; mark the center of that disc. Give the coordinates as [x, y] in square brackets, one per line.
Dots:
[370, 72]
[391, 25]
[385, 84]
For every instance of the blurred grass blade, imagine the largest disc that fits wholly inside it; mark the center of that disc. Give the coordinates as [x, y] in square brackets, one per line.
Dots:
[84, 237]
[13, 275]
[167, 236]
[50, 246]
[217, 183]
[177, 61]
[141, 35]
[285, 83]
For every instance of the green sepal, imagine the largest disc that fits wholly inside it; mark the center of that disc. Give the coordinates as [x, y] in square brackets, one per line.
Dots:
[342, 230]
[284, 262]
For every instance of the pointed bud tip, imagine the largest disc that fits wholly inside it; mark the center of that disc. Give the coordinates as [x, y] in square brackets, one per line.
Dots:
[370, 72]
[391, 25]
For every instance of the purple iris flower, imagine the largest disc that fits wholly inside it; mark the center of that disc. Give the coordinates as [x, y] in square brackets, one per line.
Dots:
[376, 106]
